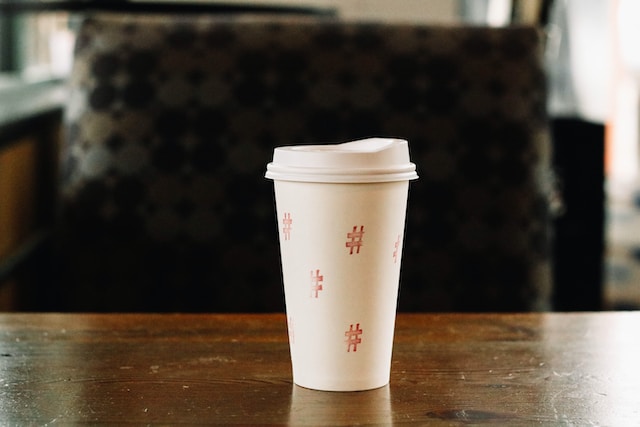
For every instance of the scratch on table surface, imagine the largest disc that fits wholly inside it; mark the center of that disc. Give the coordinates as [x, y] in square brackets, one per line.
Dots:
[552, 401]
[220, 359]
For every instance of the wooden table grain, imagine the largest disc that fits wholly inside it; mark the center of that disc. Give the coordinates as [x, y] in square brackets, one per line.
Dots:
[447, 369]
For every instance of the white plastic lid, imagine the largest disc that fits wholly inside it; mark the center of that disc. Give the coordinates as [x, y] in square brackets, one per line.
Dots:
[365, 160]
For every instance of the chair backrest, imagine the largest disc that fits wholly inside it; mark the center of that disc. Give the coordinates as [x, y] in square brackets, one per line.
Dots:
[172, 120]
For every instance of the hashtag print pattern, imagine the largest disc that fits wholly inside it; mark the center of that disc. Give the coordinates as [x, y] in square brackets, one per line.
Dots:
[353, 337]
[287, 226]
[291, 330]
[172, 119]
[316, 283]
[355, 239]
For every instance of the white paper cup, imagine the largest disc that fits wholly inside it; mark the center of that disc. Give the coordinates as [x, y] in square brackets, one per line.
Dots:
[341, 216]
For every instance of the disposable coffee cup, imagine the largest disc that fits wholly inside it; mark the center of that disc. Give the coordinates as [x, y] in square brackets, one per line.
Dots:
[341, 217]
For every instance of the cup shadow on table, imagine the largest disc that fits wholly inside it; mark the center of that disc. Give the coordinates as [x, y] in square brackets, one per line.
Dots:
[340, 408]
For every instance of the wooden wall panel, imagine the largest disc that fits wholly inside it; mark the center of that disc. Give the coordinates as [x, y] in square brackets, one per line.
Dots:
[18, 177]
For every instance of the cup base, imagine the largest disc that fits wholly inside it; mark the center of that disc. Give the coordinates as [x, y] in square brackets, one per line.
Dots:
[325, 384]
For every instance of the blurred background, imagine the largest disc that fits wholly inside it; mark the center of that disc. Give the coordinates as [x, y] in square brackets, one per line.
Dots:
[593, 61]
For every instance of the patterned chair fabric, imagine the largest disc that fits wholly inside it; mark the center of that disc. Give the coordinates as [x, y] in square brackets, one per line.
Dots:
[172, 119]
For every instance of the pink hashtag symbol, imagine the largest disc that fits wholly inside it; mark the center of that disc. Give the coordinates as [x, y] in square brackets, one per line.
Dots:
[353, 337]
[316, 283]
[356, 239]
[395, 252]
[286, 225]
[292, 336]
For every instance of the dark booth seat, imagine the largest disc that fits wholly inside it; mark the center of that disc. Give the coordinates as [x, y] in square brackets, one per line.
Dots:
[172, 119]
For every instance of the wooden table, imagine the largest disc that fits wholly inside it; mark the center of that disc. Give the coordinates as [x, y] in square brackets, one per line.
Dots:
[577, 369]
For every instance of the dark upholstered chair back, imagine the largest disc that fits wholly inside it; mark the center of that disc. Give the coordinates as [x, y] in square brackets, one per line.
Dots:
[172, 120]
